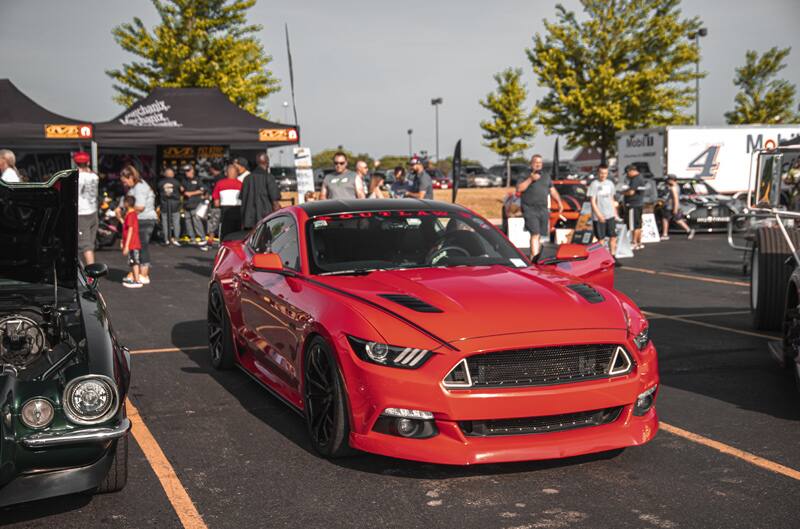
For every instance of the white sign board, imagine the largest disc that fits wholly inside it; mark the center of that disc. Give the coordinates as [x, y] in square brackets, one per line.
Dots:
[650, 231]
[642, 147]
[517, 234]
[304, 172]
[720, 155]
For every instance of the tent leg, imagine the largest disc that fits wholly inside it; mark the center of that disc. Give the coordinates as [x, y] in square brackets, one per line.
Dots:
[94, 156]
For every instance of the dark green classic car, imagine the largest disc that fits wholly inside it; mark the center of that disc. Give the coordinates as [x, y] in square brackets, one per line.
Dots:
[63, 375]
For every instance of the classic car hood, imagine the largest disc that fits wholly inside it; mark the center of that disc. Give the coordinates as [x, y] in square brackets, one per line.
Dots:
[486, 300]
[39, 232]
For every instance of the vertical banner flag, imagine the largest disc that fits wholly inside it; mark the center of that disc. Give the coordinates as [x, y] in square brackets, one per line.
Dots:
[555, 174]
[291, 73]
[456, 172]
[304, 172]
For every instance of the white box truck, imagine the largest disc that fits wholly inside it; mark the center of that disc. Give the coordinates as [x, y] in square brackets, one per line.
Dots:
[720, 155]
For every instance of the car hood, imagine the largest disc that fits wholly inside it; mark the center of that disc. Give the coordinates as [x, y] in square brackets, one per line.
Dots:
[487, 300]
[39, 231]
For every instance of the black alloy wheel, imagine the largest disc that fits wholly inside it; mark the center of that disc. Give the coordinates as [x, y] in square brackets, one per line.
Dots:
[325, 403]
[220, 339]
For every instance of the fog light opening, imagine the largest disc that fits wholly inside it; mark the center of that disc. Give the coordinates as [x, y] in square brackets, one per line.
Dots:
[410, 424]
[37, 413]
[645, 401]
[407, 427]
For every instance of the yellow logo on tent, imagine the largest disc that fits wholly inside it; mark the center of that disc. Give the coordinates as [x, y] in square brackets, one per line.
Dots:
[277, 135]
[82, 131]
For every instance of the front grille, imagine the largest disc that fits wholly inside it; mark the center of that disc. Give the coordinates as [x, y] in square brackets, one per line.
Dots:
[542, 366]
[532, 425]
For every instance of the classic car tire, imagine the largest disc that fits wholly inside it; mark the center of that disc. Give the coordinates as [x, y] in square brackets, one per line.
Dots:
[220, 338]
[769, 276]
[117, 475]
[325, 403]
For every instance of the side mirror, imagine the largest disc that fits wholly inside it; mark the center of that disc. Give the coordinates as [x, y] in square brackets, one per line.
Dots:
[572, 252]
[94, 272]
[267, 262]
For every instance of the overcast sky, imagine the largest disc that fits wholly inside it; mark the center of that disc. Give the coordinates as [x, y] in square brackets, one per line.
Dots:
[365, 71]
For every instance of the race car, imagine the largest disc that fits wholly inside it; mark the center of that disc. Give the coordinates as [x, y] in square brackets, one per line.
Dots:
[703, 208]
[573, 195]
[415, 330]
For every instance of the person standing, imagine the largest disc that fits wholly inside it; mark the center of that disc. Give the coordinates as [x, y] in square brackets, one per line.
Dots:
[8, 167]
[242, 167]
[131, 245]
[88, 183]
[145, 207]
[534, 191]
[375, 185]
[169, 192]
[421, 184]
[213, 217]
[342, 183]
[604, 213]
[634, 204]
[671, 211]
[192, 200]
[226, 197]
[401, 185]
[260, 193]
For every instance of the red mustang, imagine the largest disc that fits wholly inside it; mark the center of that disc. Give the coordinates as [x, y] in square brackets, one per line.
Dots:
[414, 329]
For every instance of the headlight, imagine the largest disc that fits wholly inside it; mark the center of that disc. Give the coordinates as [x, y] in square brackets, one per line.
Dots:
[91, 399]
[389, 355]
[37, 413]
[643, 338]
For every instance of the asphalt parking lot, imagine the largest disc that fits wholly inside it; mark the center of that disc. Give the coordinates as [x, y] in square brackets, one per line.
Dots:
[213, 449]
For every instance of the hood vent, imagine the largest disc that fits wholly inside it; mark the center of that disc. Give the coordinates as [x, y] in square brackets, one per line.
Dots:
[587, 292]
[410, 302]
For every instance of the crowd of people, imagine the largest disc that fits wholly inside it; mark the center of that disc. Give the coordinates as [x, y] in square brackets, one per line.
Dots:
[610, 203]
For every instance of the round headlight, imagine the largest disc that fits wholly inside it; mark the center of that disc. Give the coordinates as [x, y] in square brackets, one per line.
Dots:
[377, 351]
[37, 413]
[90, 400]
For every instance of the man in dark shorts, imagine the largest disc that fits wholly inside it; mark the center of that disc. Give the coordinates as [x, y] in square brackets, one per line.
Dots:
[604, 213]
[634, 203]
[534, 191]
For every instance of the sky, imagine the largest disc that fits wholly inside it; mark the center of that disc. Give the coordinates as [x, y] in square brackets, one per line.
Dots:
[365, 71]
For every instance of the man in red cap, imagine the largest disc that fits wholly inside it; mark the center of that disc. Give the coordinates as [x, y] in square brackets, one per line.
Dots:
[87, 206]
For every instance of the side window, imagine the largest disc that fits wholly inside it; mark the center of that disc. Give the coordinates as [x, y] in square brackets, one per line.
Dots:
[280, 236]
[259, 239]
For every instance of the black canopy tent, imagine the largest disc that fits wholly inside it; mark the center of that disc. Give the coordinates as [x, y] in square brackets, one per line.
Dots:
[41, 140]
[191, 116]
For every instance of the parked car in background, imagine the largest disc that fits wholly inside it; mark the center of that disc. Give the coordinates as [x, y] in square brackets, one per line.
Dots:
[518, 170]
[64, 375]
[440, 180]
[704, 208]
[475, 176]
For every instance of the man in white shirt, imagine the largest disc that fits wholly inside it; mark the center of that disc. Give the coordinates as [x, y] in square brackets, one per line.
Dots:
[87, 206]
[8, 167]
[241, 166]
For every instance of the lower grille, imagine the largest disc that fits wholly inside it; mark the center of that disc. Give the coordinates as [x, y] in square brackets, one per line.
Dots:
[542, 365]
[532, 425]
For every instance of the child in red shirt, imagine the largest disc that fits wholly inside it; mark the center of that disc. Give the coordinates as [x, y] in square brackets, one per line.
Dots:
[131, 245]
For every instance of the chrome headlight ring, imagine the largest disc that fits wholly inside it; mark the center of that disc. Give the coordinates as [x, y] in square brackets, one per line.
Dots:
[106, 410]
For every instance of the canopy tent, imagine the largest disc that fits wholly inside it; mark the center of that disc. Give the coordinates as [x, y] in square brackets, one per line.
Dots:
[191, 116]
[25, 124]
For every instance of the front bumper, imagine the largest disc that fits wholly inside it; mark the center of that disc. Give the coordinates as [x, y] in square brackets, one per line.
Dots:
[371, 389]
[89, 435]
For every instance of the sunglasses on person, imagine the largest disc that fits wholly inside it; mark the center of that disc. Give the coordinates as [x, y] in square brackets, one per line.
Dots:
[339, 163]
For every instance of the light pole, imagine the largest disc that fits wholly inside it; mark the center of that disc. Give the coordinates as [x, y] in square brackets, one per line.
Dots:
[410, 151]
[695, 35]
[286, 112]
[436, 102]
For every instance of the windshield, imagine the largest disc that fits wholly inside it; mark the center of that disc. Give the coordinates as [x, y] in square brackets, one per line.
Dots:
[388, 240]
[572, 190]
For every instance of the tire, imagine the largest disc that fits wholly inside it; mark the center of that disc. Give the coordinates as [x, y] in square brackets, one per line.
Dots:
[117, 475]
[220, 335]
[325, 402]
[769, 276]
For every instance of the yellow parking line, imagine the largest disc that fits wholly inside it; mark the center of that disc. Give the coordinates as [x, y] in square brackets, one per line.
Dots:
[168, 349]
[731, 451]
[685, 276]
[176, 493]
[710, 325]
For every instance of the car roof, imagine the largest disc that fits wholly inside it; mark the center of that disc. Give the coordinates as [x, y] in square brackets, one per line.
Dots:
[332, 207]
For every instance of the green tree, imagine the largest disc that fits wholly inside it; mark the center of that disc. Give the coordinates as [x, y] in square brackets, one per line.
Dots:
[511, 127]
[199, 43]
[761, 97]
[626, 64]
